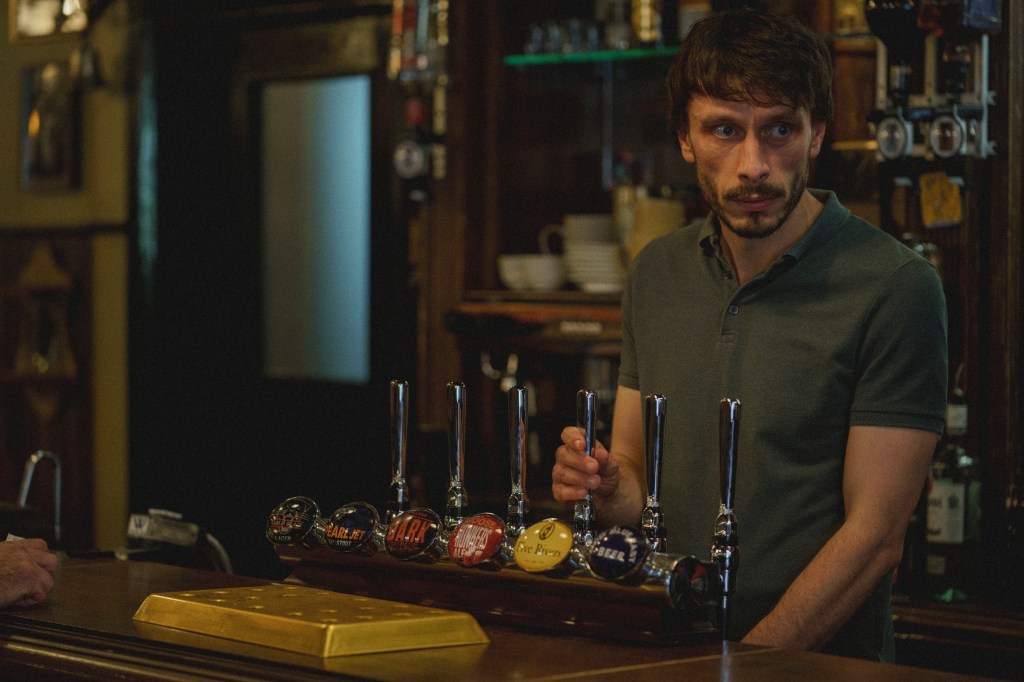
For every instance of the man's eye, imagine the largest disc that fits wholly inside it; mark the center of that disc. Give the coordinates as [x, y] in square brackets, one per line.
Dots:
[724, 130]
[780, 130]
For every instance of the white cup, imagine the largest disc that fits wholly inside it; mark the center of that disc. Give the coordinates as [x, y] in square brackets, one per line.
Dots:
[578, 227]
[531, 271]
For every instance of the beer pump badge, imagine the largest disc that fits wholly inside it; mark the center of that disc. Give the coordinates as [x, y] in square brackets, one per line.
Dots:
[413, 534]
[476, 539]
[617, 553]
[292, 521]
[351, 527]
[543, 546]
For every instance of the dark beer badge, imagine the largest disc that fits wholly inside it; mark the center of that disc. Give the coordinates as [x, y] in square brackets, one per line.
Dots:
[414, 535]
[617, 553]
[293, 522]
[476, 539]
[352, 528]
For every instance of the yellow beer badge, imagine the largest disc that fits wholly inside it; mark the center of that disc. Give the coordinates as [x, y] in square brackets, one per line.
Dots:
[543, 546]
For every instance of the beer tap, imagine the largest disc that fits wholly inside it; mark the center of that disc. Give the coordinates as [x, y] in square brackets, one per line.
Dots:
[398, 491]
[476, 541]
[624, 555]
[479, 542]
[417, 536]
[725, 546]
[549, 547]
[455, 500]
[583, 514]
[518, 504]
[652, 520]
[296, 522]
[355, 528]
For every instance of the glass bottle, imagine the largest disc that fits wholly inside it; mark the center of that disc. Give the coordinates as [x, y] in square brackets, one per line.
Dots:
[1012, 586]
[954, 508]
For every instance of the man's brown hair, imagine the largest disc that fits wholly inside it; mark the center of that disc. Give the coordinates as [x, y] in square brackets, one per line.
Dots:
[752, 55]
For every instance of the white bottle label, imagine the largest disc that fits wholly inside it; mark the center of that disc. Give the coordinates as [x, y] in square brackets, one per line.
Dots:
[946, 512]
[956, 419]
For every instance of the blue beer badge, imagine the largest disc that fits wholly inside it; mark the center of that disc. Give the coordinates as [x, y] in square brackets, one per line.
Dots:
[617, 553]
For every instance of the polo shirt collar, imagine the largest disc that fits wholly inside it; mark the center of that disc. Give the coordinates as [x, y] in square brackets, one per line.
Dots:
[829, 222]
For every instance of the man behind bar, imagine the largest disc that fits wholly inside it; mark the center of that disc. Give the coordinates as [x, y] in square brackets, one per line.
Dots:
[830, 332]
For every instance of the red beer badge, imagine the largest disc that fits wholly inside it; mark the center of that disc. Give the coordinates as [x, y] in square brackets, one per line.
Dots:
[476, 539]
[414, 535]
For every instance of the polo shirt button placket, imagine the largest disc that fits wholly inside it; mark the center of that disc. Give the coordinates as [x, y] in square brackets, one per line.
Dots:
[733, 309]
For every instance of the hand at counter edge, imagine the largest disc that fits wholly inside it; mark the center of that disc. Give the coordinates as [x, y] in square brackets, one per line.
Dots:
[27, 570]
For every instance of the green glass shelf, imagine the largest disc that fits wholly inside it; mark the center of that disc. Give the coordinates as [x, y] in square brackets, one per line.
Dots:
[589, 57]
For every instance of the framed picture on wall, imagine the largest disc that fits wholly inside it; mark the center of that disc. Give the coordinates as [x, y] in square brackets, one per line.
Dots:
[41, 18]
[49, 127]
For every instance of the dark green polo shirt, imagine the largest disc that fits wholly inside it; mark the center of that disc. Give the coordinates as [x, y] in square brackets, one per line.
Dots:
[846, 328]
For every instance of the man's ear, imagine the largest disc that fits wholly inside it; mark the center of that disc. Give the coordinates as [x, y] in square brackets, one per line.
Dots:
[817, 135]
[684, 144]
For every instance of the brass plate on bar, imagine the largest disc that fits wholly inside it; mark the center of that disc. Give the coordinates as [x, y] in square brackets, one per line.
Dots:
[310, 621]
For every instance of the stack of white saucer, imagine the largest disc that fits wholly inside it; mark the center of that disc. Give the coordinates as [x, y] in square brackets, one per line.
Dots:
[591, 253]
[595, 267]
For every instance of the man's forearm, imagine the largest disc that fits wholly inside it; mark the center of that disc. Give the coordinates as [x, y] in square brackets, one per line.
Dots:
[827, 592]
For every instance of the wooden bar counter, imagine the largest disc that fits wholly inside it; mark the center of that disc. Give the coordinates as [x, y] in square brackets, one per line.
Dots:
[85, 631]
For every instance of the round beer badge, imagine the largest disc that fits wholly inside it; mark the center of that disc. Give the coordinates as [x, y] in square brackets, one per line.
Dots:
[617, 553]
[351, 527]
[293, 521]
[412, 534]
[476, 539]
[543, 546]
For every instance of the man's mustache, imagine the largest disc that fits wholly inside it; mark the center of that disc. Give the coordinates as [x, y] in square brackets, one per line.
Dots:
[760, 191]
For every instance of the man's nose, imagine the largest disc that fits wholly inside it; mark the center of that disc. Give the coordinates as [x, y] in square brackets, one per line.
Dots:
[753, 160]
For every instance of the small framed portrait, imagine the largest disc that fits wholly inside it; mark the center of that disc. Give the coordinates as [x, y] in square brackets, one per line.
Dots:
[49, 127]
[43, 18]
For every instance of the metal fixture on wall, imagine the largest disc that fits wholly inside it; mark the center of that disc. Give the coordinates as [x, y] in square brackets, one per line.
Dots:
[84, 60]
[943, 47]
[418, 60]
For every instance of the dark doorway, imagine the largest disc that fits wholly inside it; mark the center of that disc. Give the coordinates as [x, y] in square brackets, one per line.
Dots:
[241, 393]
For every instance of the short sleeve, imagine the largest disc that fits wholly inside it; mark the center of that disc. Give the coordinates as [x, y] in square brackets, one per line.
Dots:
[903, 361]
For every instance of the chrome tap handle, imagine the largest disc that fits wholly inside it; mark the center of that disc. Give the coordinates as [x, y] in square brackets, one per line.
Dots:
[455, 500]
[725, 547]
[728, 434]
[26, 483]
[652, 519]
[583, 513]
[518, 504]
[398, 490]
